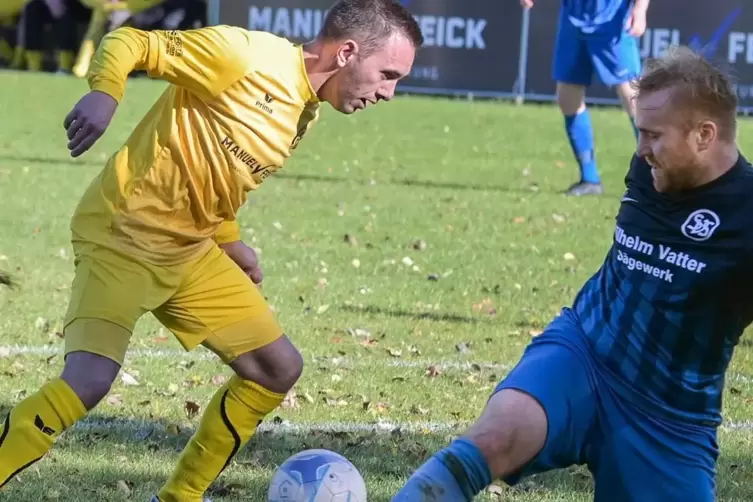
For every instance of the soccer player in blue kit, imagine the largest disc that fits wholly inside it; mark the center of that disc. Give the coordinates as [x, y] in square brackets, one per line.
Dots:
[629, 379]
[594, 36]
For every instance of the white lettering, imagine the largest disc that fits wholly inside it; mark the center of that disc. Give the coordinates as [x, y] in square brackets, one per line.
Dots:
[290, 23]
[736, 46]
[656, 41]
[452, 32]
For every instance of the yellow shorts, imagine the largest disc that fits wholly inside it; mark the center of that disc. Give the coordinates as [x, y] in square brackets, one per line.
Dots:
[208, 301]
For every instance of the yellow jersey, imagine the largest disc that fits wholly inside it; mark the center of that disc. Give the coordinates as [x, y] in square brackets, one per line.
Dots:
[237, 105]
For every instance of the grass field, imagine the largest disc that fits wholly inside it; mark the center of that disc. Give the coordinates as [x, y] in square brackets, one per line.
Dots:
[411, 252]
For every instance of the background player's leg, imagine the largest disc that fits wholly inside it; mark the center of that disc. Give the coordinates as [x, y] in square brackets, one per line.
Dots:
[35, 16]
[571, 99]
[618, 63]
[573, 71]
[538, 420]
[219, 306]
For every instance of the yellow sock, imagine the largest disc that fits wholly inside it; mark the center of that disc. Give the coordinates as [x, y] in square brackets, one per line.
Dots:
[6, 51]
[32, 426]
[85, 54]
[228, 423]
[34, 60]
[18, 58]
[65, 60]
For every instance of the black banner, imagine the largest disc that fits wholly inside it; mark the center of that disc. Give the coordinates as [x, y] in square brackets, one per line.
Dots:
[722, 30]
[471, 46]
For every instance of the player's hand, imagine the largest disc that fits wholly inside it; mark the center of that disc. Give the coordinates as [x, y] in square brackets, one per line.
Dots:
[636, 24]
[245, 257]
[526, 4]
[88, 121]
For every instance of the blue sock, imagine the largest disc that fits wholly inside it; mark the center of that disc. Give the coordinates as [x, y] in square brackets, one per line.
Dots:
[581, 136]
[456, 474]
[635, 129]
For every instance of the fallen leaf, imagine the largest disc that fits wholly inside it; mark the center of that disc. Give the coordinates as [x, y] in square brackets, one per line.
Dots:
[432, 371]
[115, 400]
[350, 239]
[128, 379]
[219, 380]
[419, 245]
[519, 219]
[192, 409]
[42, 324]
[124, 488]
[290, 401]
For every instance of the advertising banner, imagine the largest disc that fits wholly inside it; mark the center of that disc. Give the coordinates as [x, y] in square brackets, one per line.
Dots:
[471, 46]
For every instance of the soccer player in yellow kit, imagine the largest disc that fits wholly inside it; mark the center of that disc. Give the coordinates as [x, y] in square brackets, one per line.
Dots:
[156, 230]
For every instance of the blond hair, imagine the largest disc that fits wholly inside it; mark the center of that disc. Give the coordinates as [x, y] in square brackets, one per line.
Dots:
[699, 88]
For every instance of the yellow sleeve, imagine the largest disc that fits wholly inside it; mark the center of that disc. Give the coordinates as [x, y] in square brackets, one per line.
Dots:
[229, 231]
[205, 61]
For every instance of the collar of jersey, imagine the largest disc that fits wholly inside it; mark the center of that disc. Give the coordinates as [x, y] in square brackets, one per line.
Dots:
[307, 89]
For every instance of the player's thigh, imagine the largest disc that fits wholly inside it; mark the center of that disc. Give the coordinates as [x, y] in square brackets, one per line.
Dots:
[617, 60]
[110, 292]
[572, 63]
[218, 306]
[672, 461]
[558, 374]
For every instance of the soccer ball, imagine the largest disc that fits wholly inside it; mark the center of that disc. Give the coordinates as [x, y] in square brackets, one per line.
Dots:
[317, 476]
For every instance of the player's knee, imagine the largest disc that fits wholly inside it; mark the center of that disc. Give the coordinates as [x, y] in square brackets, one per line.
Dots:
[276, 367]
[510, 432]
[90, 376]
[571, 98]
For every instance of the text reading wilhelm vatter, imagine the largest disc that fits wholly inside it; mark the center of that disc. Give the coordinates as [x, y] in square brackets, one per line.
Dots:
[665, 253]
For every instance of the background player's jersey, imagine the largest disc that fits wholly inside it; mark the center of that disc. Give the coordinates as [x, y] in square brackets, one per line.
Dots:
[673, 296]
[597, 17]
[238, 103]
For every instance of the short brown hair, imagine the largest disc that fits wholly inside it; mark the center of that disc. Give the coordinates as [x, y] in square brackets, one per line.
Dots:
[700, 87]
[369, 22]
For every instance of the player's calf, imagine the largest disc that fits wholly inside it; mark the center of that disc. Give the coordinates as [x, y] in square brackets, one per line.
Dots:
[510, 432]
[33, 425]
[263, 378]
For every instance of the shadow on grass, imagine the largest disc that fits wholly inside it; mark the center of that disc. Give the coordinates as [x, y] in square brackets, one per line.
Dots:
[293, 176]
[92, 459]
[432, 316]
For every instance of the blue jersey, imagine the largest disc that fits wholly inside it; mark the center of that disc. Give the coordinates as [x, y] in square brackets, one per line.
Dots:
[597, 17]
[666, 309]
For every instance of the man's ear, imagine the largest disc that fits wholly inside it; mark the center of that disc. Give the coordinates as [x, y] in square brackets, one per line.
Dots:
[347, 52]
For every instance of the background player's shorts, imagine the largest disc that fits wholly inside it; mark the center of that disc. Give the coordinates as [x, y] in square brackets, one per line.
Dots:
[207, 301]
[633, 456]
[616, 60]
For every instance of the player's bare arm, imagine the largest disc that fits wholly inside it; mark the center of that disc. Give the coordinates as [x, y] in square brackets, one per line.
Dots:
[637, 21]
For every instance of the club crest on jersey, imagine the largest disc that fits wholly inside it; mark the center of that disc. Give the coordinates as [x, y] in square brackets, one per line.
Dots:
[700, 225]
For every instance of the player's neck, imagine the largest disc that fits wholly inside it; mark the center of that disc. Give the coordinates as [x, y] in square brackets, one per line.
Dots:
[721, 162]
[318, 68]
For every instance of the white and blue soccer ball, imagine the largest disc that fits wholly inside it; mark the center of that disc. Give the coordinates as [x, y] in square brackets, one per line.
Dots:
[317, 476]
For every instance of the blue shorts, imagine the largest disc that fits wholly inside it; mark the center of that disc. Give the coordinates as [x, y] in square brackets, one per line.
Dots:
[632, 455]
[615, 59]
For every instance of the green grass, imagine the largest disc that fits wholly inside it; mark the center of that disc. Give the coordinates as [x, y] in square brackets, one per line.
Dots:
[478, 182]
